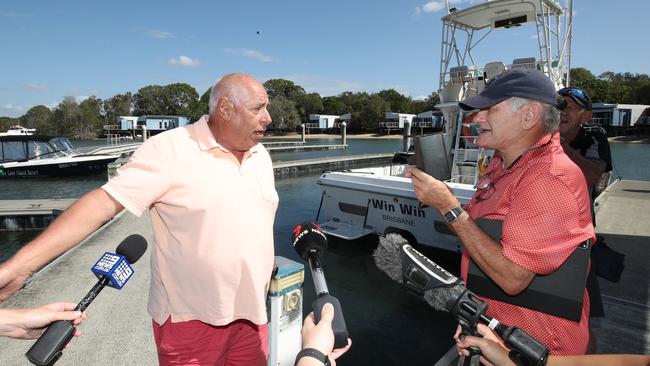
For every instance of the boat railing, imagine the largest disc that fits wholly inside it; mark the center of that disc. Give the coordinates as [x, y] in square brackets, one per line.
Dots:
[462, 82]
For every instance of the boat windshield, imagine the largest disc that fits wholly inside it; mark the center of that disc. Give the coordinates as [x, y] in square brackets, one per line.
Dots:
[43, 150]
[63, 144]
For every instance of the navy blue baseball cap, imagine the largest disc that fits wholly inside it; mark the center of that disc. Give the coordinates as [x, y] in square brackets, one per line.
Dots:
[523, 83]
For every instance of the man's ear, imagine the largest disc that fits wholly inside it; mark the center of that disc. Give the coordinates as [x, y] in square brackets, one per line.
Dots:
[531, 116]
[586, 116]
[225, 108]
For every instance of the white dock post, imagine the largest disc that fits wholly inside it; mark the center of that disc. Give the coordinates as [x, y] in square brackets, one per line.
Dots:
[144, 133]
[303, 132]
[344, 134]
[406, 139]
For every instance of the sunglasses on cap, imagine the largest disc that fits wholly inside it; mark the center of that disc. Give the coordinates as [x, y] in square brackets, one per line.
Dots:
[579, 96]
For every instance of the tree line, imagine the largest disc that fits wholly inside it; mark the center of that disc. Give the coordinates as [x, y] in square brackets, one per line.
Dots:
[290, 105]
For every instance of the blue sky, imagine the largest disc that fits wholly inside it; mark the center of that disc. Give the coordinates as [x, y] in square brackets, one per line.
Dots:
[52, 49]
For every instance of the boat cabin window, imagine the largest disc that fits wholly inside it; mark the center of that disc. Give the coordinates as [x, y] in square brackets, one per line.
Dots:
[13, 150]
[37, 149]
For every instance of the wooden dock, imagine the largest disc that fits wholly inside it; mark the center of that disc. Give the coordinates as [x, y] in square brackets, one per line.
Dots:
[623, 218]
[32, 214]
[284, 168]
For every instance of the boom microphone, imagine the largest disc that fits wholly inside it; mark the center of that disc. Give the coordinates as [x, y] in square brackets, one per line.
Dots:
[111, 269]
[445, 292]
[310, 242]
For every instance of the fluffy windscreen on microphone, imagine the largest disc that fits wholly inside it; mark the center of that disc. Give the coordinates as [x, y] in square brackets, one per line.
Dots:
[444, 298]
[387, 256]
[308, 238]
[132, 248]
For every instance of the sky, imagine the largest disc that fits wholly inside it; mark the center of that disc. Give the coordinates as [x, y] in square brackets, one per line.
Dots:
[53, 49]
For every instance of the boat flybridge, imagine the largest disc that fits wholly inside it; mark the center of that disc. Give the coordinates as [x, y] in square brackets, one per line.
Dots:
[381, 200]
[29, 156]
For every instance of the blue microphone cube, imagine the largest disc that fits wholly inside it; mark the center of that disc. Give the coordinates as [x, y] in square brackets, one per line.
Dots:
[115, 267]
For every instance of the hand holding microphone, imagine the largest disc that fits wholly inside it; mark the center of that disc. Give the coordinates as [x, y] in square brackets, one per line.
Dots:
[310, 243]
[111, 269]
[445, 292]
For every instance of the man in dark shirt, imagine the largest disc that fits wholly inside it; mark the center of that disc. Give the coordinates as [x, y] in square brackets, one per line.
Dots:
[589, 150]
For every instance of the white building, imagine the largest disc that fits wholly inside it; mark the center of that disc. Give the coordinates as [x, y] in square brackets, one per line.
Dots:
[396, 120]
[620, 115]
[428, 119]
[323, 121]
[127, 123]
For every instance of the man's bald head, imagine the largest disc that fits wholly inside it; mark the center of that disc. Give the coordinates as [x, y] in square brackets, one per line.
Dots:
[231, 86]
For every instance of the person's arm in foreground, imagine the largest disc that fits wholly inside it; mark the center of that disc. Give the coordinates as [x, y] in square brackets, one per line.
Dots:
[321, 337]
[30, 323]
[77, 222]
[494, 353]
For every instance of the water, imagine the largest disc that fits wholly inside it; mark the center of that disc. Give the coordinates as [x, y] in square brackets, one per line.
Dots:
[387, 324]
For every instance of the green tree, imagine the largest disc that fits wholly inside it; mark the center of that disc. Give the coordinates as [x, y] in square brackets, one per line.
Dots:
[334, 105]
[150, 100]
[6, 122]
[204, 102]
[284, 113]
[118, 105]
[92, 119]
[285, 88]
[37, 117]
[181, 99]
[66, 119]
[308, 104]
[396, 101]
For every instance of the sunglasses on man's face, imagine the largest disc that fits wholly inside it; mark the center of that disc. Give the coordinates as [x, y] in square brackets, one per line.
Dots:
[577, 95]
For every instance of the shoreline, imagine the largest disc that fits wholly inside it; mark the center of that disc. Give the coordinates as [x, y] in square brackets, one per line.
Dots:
[363, 136]
[398, 136]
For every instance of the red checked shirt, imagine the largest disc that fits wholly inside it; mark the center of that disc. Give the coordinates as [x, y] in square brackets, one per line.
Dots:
[543, 202]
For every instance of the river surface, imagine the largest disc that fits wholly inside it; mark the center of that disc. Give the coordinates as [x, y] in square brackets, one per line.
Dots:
[388, 325]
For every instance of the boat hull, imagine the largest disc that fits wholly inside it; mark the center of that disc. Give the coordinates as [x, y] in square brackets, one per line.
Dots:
[374, 201]
[56, 169]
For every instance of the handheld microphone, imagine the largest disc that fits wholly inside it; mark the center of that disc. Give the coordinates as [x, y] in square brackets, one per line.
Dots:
[111, 269]
[445, 292]
[310, 243]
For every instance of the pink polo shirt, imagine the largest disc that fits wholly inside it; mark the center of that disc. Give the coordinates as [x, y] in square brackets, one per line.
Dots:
[213, 225]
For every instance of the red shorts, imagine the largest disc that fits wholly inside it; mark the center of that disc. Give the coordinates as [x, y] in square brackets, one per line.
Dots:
[240, 343]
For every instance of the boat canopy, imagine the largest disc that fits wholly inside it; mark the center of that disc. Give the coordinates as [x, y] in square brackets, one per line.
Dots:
[502, 13]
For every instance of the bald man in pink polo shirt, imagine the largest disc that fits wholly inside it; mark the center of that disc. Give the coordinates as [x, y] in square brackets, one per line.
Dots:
[210, 192]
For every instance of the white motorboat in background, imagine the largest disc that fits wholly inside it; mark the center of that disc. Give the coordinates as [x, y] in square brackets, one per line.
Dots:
[29, 156]
[18, 130]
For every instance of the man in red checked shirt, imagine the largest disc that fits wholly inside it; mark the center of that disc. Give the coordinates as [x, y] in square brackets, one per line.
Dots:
[537, 199]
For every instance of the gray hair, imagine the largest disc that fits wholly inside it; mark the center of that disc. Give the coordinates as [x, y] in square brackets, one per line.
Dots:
[223, 87]
[550, 114]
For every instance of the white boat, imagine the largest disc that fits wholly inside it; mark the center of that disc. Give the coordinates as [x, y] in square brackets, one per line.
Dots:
[30, 156]
[18, 130]
[381, 200]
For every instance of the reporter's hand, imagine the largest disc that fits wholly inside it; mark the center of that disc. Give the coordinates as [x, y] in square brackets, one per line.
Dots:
[320, 336]
[493, 352]
[30, 323]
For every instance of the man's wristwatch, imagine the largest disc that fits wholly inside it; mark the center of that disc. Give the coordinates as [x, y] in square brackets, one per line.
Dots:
[312, 352]
[452, 215]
